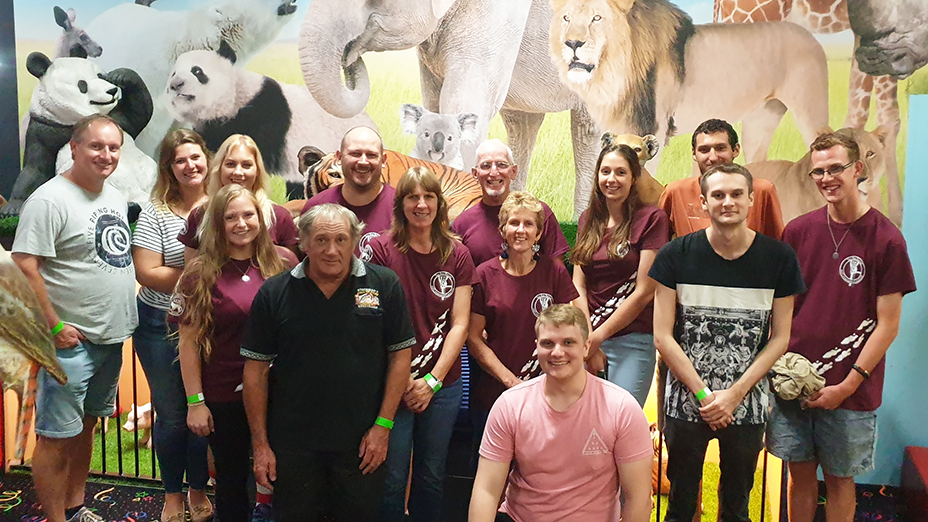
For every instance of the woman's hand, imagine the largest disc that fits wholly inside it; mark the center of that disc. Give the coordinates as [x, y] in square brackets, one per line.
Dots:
[596, 363]
[200, 419]
[418, 396]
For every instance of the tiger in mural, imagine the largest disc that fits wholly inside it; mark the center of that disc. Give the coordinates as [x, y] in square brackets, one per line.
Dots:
[321, 172]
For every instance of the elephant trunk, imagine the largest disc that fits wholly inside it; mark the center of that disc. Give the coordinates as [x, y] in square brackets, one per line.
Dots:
[326, 42]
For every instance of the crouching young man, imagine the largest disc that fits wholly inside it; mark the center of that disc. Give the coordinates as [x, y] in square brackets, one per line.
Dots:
[573, 438]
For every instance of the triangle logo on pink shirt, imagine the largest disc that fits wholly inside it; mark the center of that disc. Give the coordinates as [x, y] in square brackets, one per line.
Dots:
[595, 445]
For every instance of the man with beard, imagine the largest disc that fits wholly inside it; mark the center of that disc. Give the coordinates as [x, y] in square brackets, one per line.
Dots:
[364, 192]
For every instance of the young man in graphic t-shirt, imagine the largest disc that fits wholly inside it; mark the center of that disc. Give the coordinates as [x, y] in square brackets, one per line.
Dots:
[722, 313]
[363, 192]
[857, 268]
[570, 440]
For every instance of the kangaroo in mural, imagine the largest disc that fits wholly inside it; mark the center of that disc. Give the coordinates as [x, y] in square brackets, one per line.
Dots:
[828, 17]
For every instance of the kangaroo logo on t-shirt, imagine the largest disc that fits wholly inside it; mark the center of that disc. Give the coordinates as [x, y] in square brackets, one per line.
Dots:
[442, 284]
[595, 445]
[112, 240]
[540, 302]
[852, 270]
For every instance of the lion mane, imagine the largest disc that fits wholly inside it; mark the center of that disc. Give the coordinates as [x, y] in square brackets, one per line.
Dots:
[617, 51]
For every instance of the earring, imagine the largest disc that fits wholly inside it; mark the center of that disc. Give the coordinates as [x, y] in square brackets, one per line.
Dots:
[505, 254]
[535, 248]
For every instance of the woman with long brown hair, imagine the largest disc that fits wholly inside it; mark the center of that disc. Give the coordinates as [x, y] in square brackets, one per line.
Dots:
[436, 272]
[211, 305]
[617, 242]
[159, 261]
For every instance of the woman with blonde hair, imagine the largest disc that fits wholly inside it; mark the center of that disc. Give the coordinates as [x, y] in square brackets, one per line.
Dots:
[436, 272]
[511, 290]
[159, 260]
[211, 305]
[238, 161]
[617, 242]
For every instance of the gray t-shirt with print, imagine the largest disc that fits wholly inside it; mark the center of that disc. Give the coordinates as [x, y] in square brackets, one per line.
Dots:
[85, 241]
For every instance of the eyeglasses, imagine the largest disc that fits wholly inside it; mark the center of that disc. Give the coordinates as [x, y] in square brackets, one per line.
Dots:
[832, 171]
[500, 165]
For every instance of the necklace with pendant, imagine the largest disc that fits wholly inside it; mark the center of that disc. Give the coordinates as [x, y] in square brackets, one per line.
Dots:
[830, 232]
[245, 277]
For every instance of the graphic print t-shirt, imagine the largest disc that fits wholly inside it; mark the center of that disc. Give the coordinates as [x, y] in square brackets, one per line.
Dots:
[872, 261]
[609, 282]
[430, 287]
[86, 244]
[723, 314]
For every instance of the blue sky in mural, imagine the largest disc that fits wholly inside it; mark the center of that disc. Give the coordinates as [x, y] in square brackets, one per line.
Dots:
[35, 21]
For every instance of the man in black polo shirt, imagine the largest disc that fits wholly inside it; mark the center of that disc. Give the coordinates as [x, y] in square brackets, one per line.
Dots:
[338, 331]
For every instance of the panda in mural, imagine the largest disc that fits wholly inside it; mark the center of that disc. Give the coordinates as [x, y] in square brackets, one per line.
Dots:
[69, 89]
[217, 99]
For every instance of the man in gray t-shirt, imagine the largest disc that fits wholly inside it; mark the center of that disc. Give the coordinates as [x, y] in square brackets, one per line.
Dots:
[73, 243]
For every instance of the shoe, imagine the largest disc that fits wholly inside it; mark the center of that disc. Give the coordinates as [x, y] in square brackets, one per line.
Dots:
[180, 516]
[262, 513]
[85, 515]
[201, 513]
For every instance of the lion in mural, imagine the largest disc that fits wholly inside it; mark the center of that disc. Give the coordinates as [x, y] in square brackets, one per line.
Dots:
[642, 67]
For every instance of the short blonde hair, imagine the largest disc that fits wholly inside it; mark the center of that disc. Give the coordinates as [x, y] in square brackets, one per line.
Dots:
[563, 315]
[521, 199]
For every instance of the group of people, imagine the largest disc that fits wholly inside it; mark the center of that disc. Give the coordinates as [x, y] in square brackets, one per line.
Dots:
[324, 355]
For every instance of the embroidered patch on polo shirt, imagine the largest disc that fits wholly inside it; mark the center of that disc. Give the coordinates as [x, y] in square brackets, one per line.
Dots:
[367, 298]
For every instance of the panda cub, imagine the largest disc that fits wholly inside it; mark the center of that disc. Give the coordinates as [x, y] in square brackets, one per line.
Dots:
[205, 90]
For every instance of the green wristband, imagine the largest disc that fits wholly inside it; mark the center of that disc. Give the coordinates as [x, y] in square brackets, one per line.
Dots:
[196, 399]
[433, 382]
[58, 328]
[386, 423]
[703, 393]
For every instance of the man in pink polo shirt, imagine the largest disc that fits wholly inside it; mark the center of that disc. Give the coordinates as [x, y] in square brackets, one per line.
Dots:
[571, 436]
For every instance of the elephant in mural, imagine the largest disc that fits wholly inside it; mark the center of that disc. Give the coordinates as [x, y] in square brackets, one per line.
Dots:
[893, 35]
[479, 56]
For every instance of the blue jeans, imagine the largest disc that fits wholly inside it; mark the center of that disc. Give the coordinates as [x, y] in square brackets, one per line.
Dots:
[426, 435]
[177, 448]
[630, 360]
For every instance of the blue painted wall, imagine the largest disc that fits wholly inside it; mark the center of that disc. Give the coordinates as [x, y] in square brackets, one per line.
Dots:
[902, 420]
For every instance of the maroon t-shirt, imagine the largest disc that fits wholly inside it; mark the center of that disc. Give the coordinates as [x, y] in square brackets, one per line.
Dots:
[429, 286]
[478, 227]
[834, 319]
[283, 231]
[222, 375]
[609, 282]
[377, 214]
[511, 305]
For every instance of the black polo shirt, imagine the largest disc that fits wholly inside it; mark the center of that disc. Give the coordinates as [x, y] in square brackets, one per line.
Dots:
[330, 354]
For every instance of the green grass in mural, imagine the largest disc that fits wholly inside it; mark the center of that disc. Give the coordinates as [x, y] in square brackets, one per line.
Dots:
[394, 77]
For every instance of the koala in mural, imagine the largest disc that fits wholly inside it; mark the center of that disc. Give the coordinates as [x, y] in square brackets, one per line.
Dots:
[68, 90]
[646, 147]
[439, 137]
[217, 99]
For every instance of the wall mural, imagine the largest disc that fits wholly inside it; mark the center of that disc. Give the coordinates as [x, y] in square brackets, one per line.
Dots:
[295, 74]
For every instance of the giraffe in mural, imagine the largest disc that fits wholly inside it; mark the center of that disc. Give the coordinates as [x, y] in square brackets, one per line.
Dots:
[827, 17]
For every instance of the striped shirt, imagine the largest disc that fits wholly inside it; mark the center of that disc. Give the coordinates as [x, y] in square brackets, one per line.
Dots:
[157, 230]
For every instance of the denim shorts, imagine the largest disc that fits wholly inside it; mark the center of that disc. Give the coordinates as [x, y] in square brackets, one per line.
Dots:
[93, 377]
[842, 441]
